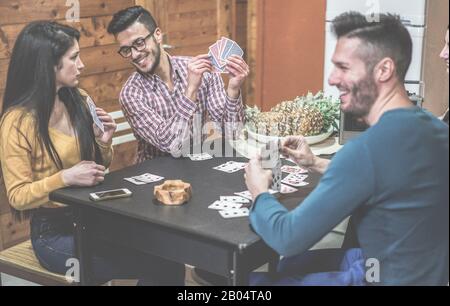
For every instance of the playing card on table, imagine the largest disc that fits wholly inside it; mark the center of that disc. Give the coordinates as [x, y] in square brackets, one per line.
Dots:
[231, 167]
[150, 178]
[293, 170]
[235, 199]
[299, 176]
[223, 205]
[200, 157]
[143, 179]
[92, 109]
[285, 189]
[135, 181]
[248, 195]
[235, 213]
[295, 180]
[245, 194]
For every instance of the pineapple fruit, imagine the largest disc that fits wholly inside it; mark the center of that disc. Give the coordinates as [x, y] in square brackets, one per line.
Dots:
[308, 116]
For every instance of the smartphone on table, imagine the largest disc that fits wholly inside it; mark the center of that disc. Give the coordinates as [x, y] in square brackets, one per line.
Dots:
[110, 195]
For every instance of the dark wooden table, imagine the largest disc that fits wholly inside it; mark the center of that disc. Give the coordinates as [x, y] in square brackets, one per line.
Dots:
[191, 234]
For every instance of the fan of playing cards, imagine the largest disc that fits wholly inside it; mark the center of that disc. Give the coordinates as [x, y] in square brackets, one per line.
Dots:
[95, 118]
[221, 51]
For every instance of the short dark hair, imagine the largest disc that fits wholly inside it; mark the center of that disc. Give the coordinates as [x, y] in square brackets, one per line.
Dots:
[123, 19]
[386, 37]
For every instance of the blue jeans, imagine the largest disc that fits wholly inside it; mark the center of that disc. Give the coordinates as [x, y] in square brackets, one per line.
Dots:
[333, 267]
[53, 243]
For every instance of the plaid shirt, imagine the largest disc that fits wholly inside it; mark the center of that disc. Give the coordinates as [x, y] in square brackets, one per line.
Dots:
[162, 120]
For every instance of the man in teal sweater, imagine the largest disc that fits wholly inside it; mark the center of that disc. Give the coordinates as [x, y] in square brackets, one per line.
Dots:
[393, 179]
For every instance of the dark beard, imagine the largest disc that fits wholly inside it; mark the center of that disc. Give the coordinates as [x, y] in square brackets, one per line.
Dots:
[364, 95]
[157, 55]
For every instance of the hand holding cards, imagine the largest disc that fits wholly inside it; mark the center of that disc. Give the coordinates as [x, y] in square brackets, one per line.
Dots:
[221, 51]
[271, 160]
[92, 110]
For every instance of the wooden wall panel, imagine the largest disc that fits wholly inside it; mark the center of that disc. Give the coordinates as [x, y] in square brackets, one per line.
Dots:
[93, 29]
[252, 46]
[190, 26]
[291, 58]
[98, 61]
[195, 37]
[102, 59]
[1, 239]
[186, 6]
[105, 87]
[435, 74]
[240, 24]
[226, 18]
[12, 231]
[4, 208]
[24, 11]
[124, 154]
[4, 64]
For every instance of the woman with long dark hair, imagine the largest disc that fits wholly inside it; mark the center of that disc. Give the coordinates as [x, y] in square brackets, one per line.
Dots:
[48, 140]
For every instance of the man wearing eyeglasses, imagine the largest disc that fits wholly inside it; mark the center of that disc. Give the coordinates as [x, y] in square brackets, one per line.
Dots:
[161, 100]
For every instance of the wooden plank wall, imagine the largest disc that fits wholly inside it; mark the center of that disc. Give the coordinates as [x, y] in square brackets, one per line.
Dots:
[252, 46]
[103, 76]
[191, 26]
[436, 91]
[290, 50]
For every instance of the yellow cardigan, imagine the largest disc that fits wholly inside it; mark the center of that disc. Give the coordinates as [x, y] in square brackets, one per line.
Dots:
[28, 180]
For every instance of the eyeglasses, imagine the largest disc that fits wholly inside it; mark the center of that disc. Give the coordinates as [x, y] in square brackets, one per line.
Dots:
[138, 45]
